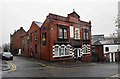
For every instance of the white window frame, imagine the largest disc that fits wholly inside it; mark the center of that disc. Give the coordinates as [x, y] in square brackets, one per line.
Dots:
[54, 51]
[59, 51]
[87, 47]
[63, 54]
[67, 48]
[77, 35]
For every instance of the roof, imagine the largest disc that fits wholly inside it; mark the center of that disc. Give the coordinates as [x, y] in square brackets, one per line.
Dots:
[103, 42]
[39, 24]
[74, 14]
[16, 31]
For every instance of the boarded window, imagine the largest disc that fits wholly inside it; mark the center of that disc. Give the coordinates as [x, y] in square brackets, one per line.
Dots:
[71, 32]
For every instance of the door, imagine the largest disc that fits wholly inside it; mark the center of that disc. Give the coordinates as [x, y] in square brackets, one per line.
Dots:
[77, 54]
[95, 57]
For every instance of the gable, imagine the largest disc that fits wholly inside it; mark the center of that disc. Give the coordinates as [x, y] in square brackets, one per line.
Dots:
[20, 31]
[73, 14]
[34, 26]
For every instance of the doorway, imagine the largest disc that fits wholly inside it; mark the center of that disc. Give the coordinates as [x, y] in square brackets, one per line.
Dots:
[77, 54]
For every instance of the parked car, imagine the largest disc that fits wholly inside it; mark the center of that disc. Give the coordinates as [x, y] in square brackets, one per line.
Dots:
[7, 56]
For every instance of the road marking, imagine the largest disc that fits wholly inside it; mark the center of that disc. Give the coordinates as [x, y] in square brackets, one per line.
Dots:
[116, 76]
[53, 67]
[41, 64]
[13, 66]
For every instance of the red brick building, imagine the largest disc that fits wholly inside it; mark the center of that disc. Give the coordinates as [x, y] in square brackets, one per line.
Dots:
[31, 41]
[16, 41]
[59, 38]
[25, 45]
[97, 53]
[66, 38]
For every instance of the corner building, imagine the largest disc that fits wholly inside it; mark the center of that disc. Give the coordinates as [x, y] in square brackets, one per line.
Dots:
[65, 38]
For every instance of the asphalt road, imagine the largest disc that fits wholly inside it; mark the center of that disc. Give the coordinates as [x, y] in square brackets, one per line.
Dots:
[22, 67]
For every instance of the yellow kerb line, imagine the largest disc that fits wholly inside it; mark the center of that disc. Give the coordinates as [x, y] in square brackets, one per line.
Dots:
[13, 66]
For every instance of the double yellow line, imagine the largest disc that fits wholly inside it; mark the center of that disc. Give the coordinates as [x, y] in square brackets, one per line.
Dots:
[13, 66]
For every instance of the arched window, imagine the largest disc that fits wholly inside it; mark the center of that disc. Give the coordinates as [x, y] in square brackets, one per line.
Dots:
[86, 49]
[67, 50]
[62, 50]
[56, 50]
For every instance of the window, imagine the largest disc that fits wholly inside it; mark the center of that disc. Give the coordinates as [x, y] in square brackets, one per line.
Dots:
[62, 50]
[107, 49]
[71, 32]
[65, 33]
[67, 52]
[43, 39]
[86, 49]
[35, 35]
[56, 52]
[59, 51]
[77, 33]
[62, 33]
[86, 35]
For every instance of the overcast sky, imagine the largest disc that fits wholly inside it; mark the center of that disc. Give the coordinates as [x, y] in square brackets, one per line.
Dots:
[21, 13]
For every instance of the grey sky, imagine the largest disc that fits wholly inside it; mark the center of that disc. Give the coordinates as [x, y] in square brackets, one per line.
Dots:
[17, 13]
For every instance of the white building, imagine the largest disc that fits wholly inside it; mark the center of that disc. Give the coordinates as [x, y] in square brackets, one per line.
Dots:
[111, 50]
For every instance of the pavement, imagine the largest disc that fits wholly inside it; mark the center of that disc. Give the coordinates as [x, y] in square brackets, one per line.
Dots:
[60, 64]
[64, 64]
